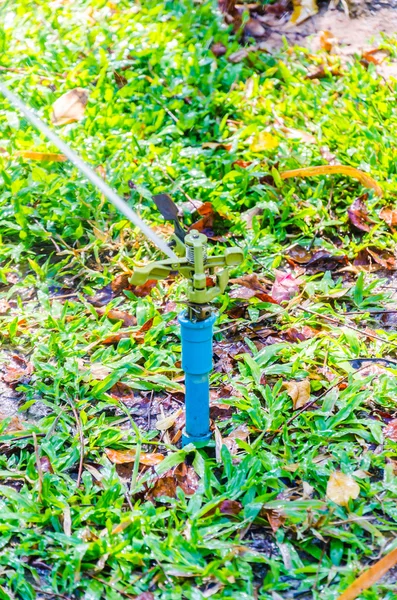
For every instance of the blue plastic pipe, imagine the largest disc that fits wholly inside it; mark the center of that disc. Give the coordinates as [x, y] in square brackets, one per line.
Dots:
[197, 364]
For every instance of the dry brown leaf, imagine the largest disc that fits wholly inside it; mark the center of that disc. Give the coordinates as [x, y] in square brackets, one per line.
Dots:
[341, 488]
[117, 315]
[370, 577]
[42, 156]
[70, 107]
[390, 431]
[327, 40]
[121, 457]
[4, 306]
[389, 215]
[115, 338]
[375, 55]
[218, 49]
[362, 177]
[14, 425]
[99, 372]
[167, 422]
[358, 214]
[276, 519]
[240, 433]
[17, 369]
[298, 391]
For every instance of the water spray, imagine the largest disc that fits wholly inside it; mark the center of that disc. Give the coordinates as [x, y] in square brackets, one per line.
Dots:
[187, 255]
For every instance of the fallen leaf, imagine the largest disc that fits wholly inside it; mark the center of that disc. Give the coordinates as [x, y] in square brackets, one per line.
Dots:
[230, 507]
[370, 576]
[328, 156]
[254, 28]
[263, 141]
[122, 392]
[341, 488]
[389, 215]
[16, 369]
[187, 478]
[167, 422]
[276, 519]
[362, 177]
[300, 335]
[298, 254]
[121, 457]
[323, 261]
[143, 290]
[240, 55]
[218, 49]
[303, 9]
[298, 391]
[99, 371]
[390, 431]
[375, 56]
[41, 156]
[4, 306]
[358, 214]
[183, 476]
[163, 486]
[285, 287]
[386, 259]
[15, 423]
[117, 315]
[240, 433]
[226, 507]
[215, 146]
[324, 71]
[115, 338]
[248, 215]
[278, 8]
[46, 465]
[120, 80]
[251, 283]
[327, 40]
[70, 107]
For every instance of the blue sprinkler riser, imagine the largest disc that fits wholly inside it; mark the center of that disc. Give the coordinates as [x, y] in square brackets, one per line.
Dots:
[197, 364]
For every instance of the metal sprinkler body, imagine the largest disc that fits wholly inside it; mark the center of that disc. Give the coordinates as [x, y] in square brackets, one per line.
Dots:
[196, 322]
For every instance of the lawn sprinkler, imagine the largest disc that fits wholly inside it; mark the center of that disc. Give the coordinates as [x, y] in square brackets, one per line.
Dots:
[199, 317]
[187, 256]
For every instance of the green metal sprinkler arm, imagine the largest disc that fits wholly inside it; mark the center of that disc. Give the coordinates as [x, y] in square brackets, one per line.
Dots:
[198, 292]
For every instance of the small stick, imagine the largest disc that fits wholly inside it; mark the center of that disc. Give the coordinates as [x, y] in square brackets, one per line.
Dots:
[41, 591]
[341, 323]
[38, 464]
[81, 438]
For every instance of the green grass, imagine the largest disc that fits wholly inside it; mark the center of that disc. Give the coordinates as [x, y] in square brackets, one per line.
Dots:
[109, 537]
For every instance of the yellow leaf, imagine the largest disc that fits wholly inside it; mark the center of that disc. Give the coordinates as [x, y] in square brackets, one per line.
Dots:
[370, 576]
[299, 392]
[168, 422]
[362, 177]
[263, 141]
[121, 457]
[41, 156]
[341, 488]
[70, 107]
[303, 9]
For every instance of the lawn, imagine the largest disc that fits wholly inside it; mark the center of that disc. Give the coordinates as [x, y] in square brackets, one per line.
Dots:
[297, 494]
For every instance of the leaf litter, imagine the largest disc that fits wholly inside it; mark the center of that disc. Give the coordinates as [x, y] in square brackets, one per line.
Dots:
[301, 248]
